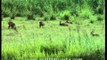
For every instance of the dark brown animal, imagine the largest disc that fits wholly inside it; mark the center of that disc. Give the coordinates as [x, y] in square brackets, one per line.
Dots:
[63, 24]
[41, 24]
[94, 34]
[11, 25]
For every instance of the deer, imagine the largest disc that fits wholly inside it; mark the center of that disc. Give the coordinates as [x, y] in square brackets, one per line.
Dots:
[11, 25]
[41, 24]
[94, 34]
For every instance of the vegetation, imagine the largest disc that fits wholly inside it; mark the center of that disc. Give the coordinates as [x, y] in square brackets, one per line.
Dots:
[53, 40]
[50, 7]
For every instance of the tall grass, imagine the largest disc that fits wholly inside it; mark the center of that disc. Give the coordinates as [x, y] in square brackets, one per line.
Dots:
[68, 41]
[53, 40]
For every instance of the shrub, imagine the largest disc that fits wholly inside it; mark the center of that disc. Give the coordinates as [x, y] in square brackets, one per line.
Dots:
[99, 10]
[12, 16]
[30, 17]
[74, 13]
[66, 17]
[52, 17]
[46, 18]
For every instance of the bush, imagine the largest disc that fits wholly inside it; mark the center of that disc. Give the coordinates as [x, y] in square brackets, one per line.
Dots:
[66, 17]
[86, 13]
[61, 6]
[99, 10]
[52, 17]
[41, 14]
[5, 14]
[12, 16]
[74, 13]
[46, 18]
[55, 6]
[92, 21]
[30, 17]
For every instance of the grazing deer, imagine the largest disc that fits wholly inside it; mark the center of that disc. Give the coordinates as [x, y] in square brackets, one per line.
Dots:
[41, 24]
[63, 24]
[94, 34]
[11, 25]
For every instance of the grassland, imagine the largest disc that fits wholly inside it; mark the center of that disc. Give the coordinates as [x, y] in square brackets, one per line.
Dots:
[69, 42]
[52, 40]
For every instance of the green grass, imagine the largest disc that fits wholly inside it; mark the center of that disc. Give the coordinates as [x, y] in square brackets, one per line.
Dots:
[28, 41]
[53, 40]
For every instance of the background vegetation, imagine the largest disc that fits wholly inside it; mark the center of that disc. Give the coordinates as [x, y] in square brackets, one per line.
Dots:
[49, 8]
[53, 40]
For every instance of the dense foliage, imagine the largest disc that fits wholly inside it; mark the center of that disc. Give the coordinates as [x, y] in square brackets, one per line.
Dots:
[59, 8]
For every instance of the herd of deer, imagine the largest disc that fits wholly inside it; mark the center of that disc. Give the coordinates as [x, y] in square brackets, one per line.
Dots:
[11, 25]
[41, 24]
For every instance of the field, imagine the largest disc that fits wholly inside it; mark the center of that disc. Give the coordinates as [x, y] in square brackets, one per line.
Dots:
[84, 39]
[69, 41]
